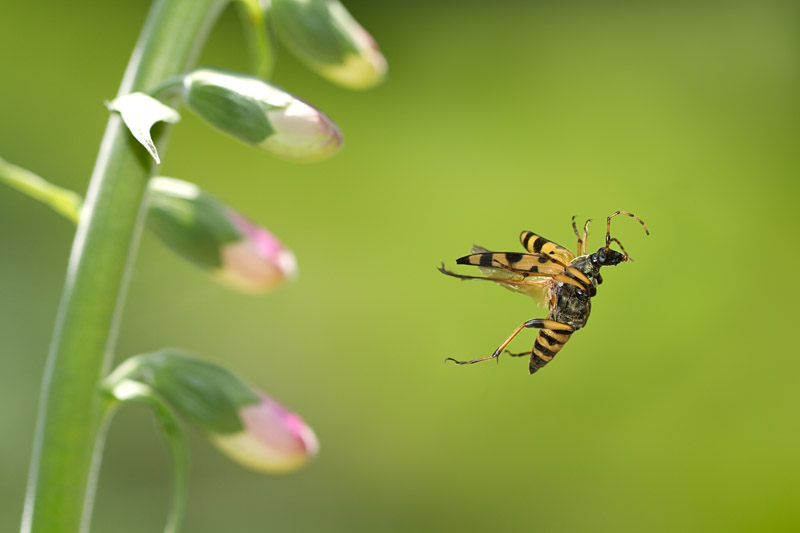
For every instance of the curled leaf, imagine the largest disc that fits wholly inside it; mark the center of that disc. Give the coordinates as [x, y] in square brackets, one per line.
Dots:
[139, 112]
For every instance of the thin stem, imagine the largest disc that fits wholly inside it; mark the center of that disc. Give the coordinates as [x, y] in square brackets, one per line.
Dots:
[255, 15]
[168, 88]
[63, 201]
[123, 389]
[180, 465]
[68, 431]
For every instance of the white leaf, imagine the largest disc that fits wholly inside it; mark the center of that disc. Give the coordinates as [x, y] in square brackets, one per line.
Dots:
[139, 112]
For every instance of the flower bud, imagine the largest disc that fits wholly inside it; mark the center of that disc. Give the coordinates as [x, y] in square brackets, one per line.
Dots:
[247, 425]
[211, 235]
[323, 34]
[273, 438]
[260, 114]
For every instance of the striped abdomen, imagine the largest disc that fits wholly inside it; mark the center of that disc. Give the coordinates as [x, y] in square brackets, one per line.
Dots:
[547, 345]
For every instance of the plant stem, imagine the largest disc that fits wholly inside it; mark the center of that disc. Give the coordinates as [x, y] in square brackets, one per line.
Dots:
[119, 387]
[258, 37]
[63, 201]
[68, 439]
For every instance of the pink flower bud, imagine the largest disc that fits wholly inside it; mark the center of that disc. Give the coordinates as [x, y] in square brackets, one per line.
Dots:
[261, 114]
[274, 439]
[302, 133]
[258, 261]
[213, 236]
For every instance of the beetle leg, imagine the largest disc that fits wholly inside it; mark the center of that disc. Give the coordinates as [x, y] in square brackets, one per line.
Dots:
[581, 244]
[586, 235]
[539, 323]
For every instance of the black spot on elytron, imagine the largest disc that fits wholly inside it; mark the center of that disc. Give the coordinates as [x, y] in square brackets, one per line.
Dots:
[485, 260]
[513, 257]
[543, 259]
[538, 243]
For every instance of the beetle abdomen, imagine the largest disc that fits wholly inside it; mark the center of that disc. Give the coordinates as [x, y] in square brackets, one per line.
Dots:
[548, 343]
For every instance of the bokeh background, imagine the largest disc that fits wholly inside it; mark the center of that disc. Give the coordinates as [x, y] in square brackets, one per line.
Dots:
[676, 409]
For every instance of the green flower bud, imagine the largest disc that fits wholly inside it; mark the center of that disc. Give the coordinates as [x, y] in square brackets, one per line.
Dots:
[246, 424]
[211, 235]
[206, 394]
[324, 35]
[260, 114]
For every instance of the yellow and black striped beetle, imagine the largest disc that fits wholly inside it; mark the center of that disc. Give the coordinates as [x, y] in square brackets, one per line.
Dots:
[567, 284]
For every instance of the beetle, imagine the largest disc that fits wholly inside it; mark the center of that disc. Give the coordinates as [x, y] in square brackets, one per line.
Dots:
[567, 283]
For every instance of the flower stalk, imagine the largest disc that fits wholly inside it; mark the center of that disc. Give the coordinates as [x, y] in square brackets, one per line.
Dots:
[130, 391]
[62, 201]
[78, 397]
[72, 409]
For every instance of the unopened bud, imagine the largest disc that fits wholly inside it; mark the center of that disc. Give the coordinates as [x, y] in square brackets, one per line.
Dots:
[214, 237]
[273, 439]
[258, 261]
[260, 114]
[323, 34]
[246, 424]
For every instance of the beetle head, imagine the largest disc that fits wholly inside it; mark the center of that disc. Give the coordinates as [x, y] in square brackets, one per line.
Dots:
[608, 257]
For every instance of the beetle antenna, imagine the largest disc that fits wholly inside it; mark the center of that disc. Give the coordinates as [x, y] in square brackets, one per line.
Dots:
[608, 229]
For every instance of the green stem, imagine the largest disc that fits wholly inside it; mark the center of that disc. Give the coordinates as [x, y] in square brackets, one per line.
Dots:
[68, 431]
[180, 464]
[63, 201]
[168, 88]
[259, 40]
[129, 390]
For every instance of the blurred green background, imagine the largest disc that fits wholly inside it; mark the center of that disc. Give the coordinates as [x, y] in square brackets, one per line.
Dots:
[676, 409]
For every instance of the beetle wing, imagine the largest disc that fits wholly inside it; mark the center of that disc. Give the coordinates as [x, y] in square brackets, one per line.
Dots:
[524, 264]
[536, 289]
[537, 244]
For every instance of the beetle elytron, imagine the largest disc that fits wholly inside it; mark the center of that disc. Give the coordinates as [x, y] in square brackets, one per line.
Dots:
[566, 282]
